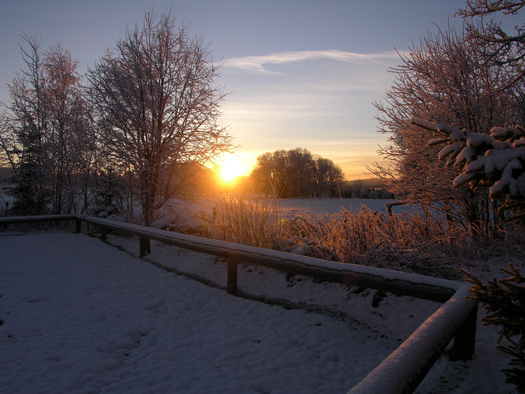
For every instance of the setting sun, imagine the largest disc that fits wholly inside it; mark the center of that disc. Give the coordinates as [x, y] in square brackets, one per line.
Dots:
[232, 167]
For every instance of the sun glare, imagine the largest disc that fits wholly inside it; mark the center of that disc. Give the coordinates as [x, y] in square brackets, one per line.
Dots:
[231, 168]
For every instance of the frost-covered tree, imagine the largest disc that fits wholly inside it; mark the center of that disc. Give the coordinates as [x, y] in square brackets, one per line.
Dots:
[499, 47]
[445, 79]
[46, 131]
[70, 138]
[157, 107]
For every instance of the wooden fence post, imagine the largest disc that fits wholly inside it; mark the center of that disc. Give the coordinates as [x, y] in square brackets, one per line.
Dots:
[465, 339]
[145, 246]
[231, 283]
[78, 225]
[103, 233]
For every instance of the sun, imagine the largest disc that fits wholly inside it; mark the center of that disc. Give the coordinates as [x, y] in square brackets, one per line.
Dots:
[232, 168]
[229, 171]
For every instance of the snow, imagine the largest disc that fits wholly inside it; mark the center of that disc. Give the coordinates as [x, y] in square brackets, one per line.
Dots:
[461, 179]
[508, 161]
[455, 134]
[429, 340]
[519, 143]
[82, 316]
[506, 133]
[437, 141]
[451, 149]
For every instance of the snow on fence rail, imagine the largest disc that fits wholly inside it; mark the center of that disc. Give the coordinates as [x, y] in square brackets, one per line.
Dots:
[406, 367]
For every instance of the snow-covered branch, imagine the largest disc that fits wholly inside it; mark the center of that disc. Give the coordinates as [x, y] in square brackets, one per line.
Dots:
[495, 160]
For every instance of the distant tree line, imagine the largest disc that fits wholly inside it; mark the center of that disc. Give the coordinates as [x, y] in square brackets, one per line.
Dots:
[358, 189]
[297, 173]
[137, 129]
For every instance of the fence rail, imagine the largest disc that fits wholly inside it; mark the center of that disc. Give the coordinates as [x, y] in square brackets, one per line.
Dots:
[406, 367]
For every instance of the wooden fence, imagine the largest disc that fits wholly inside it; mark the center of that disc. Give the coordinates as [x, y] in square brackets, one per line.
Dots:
[406, 367]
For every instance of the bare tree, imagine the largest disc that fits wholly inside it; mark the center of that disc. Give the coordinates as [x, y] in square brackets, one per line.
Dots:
[300, 172]
[335, 178]
[323, 167]
[157, 107]
[68, 126]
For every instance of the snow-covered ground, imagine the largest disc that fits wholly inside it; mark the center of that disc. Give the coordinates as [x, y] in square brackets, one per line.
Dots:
[83, 316]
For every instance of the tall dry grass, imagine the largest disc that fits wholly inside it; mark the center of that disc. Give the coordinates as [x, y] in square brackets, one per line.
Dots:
[254, 222]
[408, 242]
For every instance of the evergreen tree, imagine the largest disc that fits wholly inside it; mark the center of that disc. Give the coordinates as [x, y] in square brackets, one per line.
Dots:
[504, 302]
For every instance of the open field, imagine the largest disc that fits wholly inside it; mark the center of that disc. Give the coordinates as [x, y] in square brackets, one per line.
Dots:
[290, 207]
[319, 206]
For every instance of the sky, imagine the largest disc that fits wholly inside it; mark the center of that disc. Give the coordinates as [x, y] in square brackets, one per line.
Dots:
[297, 73]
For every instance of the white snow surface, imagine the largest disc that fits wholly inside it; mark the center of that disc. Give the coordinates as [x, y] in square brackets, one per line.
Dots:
[82, 316]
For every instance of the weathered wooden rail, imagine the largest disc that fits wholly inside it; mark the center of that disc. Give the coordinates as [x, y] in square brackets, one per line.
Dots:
[406, 367]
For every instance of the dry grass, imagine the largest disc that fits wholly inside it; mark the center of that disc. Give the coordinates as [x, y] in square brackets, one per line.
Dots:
[406, 242]
[249, 222]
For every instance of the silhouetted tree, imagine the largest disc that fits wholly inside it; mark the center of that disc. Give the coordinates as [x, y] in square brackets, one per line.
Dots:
[157, 107]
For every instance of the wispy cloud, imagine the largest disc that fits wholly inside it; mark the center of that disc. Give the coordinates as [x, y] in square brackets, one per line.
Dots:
[259, 63]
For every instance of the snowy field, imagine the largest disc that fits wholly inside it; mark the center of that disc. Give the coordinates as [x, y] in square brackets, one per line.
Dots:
[83, 316]
[311, 206]
[290, 207]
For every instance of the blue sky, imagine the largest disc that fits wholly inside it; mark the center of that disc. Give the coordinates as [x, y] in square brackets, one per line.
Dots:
[298, 73]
